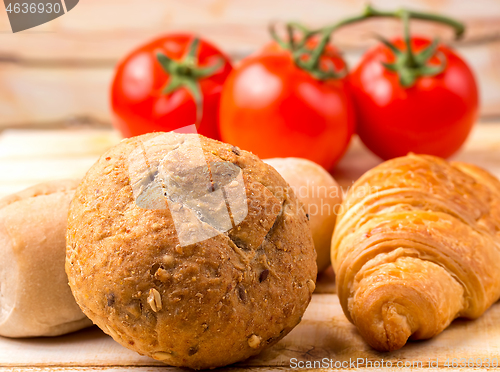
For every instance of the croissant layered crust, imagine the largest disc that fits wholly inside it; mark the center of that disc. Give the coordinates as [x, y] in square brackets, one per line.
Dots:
[416, 245]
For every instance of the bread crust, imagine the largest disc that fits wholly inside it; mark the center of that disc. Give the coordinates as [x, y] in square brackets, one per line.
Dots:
[35, 299]
[202, 305]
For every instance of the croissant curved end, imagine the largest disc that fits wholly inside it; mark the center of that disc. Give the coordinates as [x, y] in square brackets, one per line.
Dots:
[408, 298]
[387, 330]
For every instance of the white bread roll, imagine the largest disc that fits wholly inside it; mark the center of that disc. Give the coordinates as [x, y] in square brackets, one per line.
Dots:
[35, 298]
[320, 194]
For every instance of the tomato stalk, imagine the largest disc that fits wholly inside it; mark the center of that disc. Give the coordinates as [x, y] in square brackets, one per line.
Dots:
[408, 65]
[186, 73]
[304, 57]
[371, 12]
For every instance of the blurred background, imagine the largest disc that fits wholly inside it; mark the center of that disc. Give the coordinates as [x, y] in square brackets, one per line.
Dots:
[71, 58]
[54, 79]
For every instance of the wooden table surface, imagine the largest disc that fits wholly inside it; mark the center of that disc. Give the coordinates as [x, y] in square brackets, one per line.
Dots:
[28, 157]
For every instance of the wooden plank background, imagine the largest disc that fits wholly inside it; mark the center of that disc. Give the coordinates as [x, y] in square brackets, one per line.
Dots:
[59, 73]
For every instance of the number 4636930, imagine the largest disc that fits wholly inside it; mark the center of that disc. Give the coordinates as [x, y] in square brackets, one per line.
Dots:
[34, 8]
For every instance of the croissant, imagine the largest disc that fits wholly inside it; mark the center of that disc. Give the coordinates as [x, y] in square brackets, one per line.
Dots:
[416, 245]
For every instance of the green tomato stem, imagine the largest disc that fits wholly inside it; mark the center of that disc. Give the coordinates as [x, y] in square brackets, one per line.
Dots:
[409, 66]
[186, 73]
[370, 12]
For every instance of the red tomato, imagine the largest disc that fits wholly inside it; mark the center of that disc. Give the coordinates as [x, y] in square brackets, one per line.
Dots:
[434, 116]
[137, 100]
[275, 109]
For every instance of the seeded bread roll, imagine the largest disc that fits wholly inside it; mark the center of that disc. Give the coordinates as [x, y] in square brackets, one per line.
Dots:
[321, 195]
[189, 250]
[35, 299]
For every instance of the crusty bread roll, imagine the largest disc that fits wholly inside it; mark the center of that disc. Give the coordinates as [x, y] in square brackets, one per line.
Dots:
[321, 195]
[189, 250]
[35, 298]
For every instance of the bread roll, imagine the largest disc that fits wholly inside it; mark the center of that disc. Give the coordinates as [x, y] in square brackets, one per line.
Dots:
[416, 247]
[35, 299]
[189, 250]
[321, 195]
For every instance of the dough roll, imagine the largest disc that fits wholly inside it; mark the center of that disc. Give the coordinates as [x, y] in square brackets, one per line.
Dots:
[35, 298]
[417, 245]
[321, 196]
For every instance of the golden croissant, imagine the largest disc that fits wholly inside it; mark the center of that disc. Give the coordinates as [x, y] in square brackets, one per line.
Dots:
[417, 245]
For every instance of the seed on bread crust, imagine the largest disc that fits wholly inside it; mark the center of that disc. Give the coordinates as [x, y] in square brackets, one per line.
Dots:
[254, 341]
[311, 285]
[154, 300]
